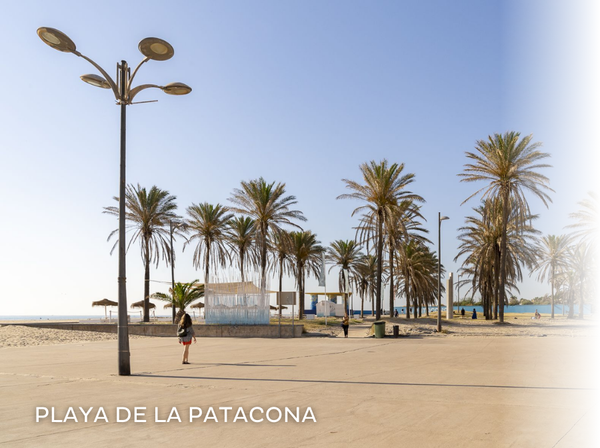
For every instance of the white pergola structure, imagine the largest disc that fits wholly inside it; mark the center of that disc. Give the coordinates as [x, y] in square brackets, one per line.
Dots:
[237, 303]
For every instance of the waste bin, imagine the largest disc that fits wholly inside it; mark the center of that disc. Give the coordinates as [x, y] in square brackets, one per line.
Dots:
[396, 330]
[379, 328]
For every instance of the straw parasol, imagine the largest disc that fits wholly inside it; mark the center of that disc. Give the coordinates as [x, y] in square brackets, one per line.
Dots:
[140, 304]
[105, 303]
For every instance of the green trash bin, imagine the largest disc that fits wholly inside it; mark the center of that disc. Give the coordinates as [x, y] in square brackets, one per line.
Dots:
[379, 328]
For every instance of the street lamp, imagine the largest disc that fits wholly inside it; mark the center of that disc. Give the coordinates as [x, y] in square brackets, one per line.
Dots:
[439, 315]
[152, 48]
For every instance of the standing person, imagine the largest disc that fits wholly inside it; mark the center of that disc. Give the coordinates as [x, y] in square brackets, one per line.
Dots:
[474, 315]
[396, 313]
[462, 312]
[186, 334]
[345, 325]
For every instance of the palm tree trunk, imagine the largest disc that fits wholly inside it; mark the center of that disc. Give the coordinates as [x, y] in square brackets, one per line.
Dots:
[571, 304]
[206, 265]
[407, 287]
[242, 264]
[280, 282]
[581, 298]
[379, 262]
[301, 304]
[263, 257]
[503, 256]
[552, 300]
[146, 282]
[391, 283]
[362, 306]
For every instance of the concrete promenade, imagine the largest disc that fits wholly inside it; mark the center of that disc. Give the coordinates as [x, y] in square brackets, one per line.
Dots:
[364, 392]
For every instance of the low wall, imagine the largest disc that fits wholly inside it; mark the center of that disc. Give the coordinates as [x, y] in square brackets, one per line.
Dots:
[169, 330]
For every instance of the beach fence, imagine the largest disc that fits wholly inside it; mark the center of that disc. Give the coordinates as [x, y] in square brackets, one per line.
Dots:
[236, 303]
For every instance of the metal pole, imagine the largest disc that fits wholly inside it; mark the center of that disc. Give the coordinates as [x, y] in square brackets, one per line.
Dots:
[122, 329]
[173, 271]
[439, 315]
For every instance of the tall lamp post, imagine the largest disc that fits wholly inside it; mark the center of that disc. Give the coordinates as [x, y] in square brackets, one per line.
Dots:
[439, 315]
[152, 48]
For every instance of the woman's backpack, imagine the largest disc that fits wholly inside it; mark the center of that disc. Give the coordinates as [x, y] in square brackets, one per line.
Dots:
[182, 332]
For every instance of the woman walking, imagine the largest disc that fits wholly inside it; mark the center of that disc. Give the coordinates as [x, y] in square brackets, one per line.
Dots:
[345, 324]
[186, 334]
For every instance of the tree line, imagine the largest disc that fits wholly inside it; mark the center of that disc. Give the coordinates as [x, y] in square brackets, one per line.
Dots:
[261, 231]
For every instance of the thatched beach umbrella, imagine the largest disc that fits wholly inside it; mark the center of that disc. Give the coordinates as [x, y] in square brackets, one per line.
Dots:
[140, 304]
[105, 303]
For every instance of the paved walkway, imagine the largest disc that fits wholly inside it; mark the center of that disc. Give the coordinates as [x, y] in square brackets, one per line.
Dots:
[409, 392]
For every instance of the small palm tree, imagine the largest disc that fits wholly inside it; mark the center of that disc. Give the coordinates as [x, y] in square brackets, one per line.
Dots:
[268, 205]
[148, 213]
[509, 166]
[306, 255]
[344, 255]
[208, 224]
[364, 279]
[280, 246]
[383, 190]
[551, 253]
[240, 235]
[582, 263]
[182, 296]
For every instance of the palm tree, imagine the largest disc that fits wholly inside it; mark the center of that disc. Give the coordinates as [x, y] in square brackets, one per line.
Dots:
[182, 296]
[383, 191]
[400, 226]
[148, 214]
[280, 245]
[551, 254]
[587, 220]
[481, 242]
[208, 224]
[306, 255]
[268, 205]
[240, 236]
[364, 278]
[509, 166]
[582, 262]
[345, 255]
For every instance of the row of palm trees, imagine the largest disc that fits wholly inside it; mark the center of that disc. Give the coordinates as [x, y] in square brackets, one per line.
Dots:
[390, 247]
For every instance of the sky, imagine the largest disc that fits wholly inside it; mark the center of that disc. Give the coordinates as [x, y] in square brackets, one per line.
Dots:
[300, 92]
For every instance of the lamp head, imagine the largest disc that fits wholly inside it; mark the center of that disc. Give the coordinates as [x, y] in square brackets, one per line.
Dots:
[155, 48]
[96, 80]
[176, 88]
[56, 39]
[443, 218]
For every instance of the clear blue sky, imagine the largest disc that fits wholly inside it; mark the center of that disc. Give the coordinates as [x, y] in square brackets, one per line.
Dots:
[300, 92]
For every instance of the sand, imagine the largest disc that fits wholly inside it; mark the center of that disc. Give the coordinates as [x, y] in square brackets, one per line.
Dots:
[21, 336]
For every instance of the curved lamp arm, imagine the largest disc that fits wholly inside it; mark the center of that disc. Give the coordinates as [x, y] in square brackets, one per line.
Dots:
[113, 86]
[146, 59]
[138, 89]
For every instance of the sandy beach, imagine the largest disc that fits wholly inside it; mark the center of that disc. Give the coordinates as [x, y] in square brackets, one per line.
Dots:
[21, 336]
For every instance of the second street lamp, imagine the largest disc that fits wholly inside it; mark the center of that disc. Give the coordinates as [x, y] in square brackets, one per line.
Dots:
[152, 48]
[439, 314]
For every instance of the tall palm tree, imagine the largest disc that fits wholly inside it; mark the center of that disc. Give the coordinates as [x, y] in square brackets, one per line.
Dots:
[509, 166]
[344, 255]
[148, 213]
[551, 253]
[383, 189]
[269, 206]
[240, 236]
[280, 245]
[182, 296]
[208, 225]
[306, 255]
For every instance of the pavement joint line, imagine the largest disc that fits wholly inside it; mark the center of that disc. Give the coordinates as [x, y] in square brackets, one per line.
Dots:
[370, 383]
[569, 430]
